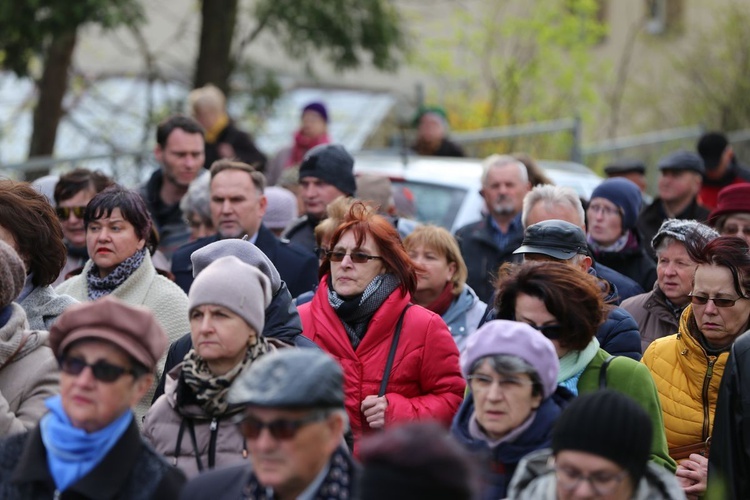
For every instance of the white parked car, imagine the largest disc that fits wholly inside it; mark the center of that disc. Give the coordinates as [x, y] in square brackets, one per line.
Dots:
[446, 190]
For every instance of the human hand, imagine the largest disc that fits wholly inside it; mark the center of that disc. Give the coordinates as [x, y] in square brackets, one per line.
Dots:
[692, 475]
[225, 150]
[374, 409]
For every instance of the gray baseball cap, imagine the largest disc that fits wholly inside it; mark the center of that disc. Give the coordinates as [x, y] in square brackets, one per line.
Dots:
[555, 238]
[291, 378]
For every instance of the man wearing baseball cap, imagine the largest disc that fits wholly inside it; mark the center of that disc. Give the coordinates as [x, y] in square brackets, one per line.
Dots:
[722, 167]
[293, 422]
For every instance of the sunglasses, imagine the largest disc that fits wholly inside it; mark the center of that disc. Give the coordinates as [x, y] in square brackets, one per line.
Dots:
[700, 300]
[357, 257]
[63, 213]
[102, 371]
[281, 429]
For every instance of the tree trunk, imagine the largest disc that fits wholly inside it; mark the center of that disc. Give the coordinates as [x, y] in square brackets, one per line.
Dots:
[214, 55]
[51, 87]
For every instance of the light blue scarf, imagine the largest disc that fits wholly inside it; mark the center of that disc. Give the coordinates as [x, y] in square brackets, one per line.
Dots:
[573, 363]
[71, 452]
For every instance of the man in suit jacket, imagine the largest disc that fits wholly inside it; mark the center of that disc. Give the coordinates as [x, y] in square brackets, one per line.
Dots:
[237, 208]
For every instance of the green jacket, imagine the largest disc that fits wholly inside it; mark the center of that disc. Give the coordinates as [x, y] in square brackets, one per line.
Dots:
[634, 379]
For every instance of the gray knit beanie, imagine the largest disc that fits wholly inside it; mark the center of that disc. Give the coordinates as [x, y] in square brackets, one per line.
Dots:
[330, 163]
[243, 250]
[231, 283]
[12, 274]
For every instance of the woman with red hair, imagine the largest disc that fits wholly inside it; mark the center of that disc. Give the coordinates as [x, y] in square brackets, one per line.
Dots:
[400, 362]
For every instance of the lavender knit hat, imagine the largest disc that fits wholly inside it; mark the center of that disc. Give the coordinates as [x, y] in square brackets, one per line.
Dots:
[281, 208]
[516, 339]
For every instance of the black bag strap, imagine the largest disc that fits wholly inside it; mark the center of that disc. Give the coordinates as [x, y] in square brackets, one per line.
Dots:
[392, 353]
[603, 372]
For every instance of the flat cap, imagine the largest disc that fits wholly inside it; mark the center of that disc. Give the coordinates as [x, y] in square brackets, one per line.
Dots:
[291, 378]
[132, 328]
[682, 160]
[555, 238]
[682, 230]
[624, 166]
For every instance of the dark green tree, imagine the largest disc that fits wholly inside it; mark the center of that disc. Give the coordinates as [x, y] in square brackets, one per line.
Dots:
[43, 34]
[348, 33]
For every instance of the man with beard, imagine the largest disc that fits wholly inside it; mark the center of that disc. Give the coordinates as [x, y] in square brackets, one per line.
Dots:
[486, 244]
[180, 149]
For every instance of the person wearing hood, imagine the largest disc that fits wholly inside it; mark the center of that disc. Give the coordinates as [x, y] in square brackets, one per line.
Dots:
[600, 449]
[190, 424]
[612, 234]
[28, 368]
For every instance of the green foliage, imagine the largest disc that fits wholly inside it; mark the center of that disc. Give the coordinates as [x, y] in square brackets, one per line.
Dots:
[27, 26]
[515, 62]
[346, 32]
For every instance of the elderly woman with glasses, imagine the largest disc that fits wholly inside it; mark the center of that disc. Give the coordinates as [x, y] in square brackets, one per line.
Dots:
[600, 448]
[688, 366]
[731, 217]
[612, 233]
[400, 362]
[567, 308]
[512, 403]
[88, 444]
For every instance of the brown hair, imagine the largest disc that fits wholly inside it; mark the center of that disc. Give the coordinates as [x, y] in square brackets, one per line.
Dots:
[259, 180]
[571, 296]
[32, 221]
[441, 241]
[80, 179]
[363, 223]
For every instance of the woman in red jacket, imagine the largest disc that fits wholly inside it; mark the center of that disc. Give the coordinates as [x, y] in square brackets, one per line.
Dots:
[367, 281]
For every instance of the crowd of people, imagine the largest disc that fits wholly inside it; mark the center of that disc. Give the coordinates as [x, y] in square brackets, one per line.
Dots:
[250, 327]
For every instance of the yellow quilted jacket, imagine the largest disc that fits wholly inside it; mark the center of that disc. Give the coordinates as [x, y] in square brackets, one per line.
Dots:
[688, 383]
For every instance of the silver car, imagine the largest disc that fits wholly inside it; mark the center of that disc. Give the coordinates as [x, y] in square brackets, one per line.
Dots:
[446, 190]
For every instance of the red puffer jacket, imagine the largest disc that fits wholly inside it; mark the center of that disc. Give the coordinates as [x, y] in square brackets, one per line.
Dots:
[425, 381]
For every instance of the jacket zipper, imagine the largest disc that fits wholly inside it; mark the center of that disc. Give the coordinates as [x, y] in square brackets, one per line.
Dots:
[212, 443]
[706, 384]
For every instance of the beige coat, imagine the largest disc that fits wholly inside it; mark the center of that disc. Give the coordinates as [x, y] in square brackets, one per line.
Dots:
[144, 287]
[28, 379]
[161, 428]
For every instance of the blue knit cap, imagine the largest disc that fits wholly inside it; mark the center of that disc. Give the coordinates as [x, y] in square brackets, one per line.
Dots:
[623, 193]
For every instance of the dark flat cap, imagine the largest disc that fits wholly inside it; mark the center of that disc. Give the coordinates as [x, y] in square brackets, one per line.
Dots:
[682, 160]
[291, 378]
[555, 238]
[624, 166]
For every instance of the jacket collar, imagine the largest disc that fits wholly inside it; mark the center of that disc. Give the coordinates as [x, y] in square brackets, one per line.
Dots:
[102, 482]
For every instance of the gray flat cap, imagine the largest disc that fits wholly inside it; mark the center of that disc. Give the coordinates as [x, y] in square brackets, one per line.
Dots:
[682, 160]
[555, 238]
[243, 250]
[682, 230]
[291, 378]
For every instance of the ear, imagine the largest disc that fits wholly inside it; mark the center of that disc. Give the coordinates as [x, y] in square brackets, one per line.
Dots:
[141, 244]
[586, 263]
[142, 385]
[262, 205]
[452, 270]
[158, 153]
[335, 427]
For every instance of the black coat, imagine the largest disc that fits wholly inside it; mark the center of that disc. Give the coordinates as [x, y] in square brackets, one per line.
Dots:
[245, 149]
[651, 218]
[634, 263]
[729, 459]
[483, 257]
[131, 470]
[296, 266]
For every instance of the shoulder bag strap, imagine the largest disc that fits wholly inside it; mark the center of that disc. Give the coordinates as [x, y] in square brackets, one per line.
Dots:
[603, 372]
[22, 343]
[392, 353]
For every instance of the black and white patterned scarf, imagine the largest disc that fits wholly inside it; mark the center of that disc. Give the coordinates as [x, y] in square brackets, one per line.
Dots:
[99, 287]
[355, 312]
[210, 390]
[337, 485]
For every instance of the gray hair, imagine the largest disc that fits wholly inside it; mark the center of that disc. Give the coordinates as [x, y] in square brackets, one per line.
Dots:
[552, 196]
[507, 365]
[493, 161]
[197, 199]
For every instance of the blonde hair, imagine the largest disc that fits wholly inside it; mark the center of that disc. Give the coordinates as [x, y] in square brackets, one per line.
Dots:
[206, 97]
[443, 242]
[336, 212]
